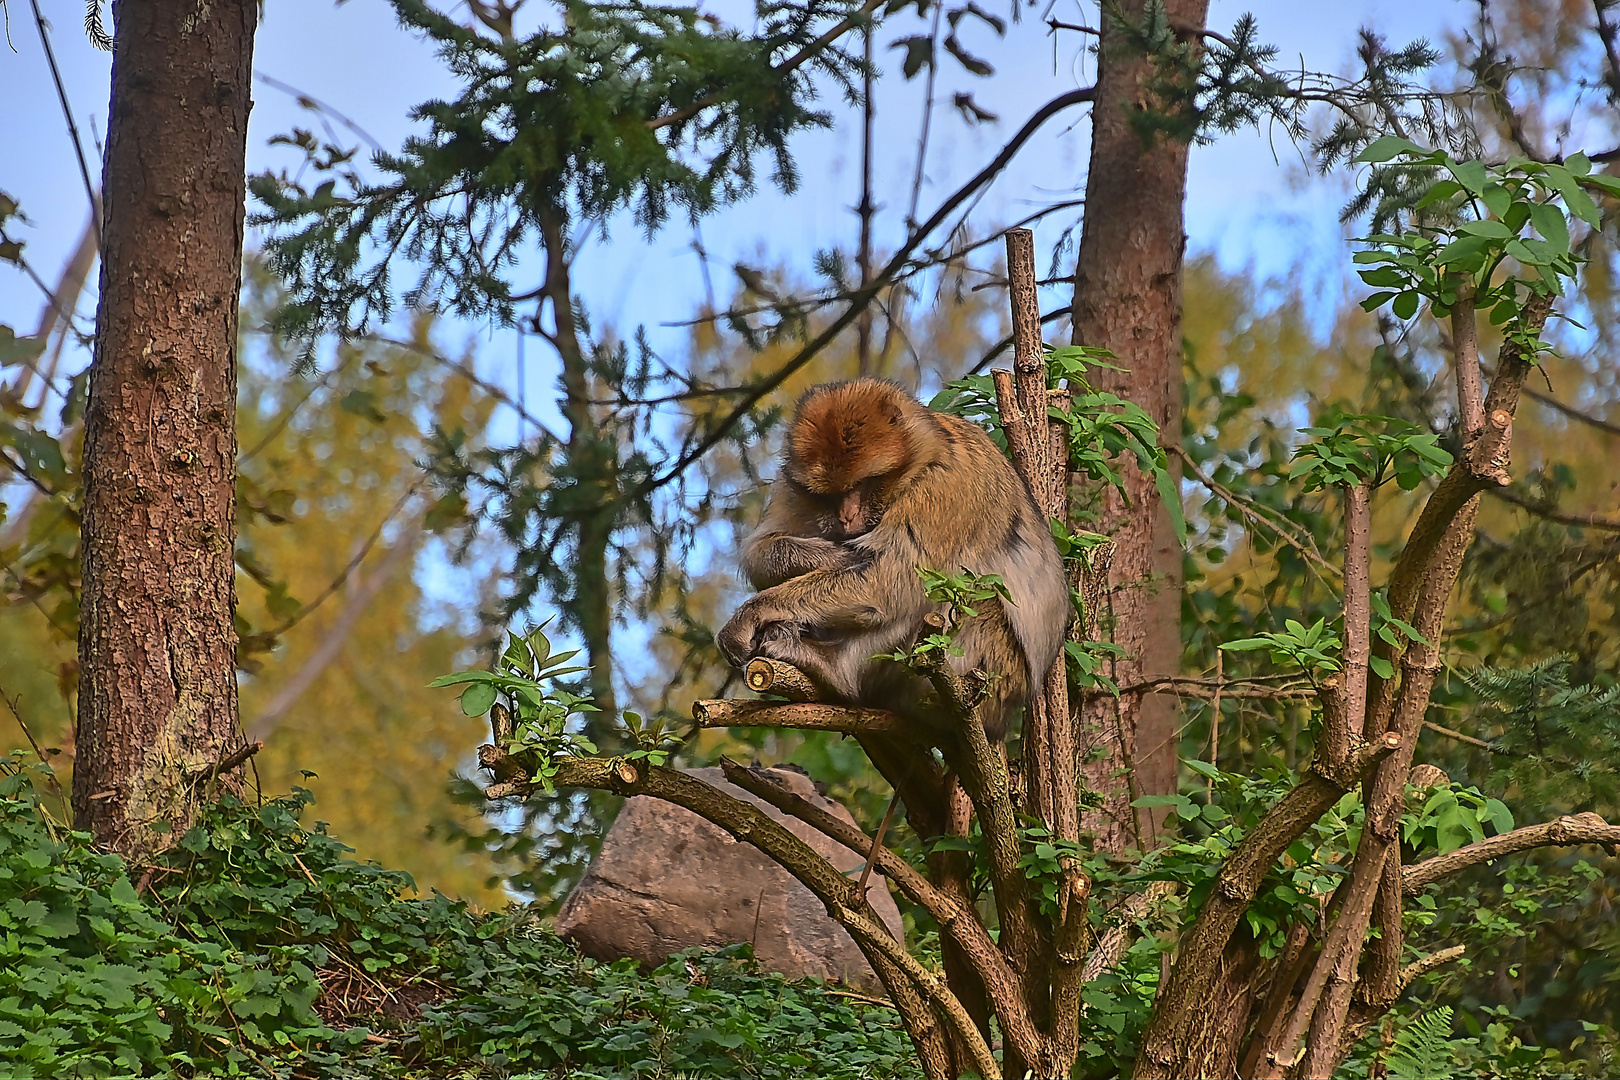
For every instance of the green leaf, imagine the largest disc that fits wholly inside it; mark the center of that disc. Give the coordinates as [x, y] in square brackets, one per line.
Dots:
[1470, 174]
[1444, 189]
[1579, 202]
[1495, 230]
[1461, 249]
[1246, 644]
[1500, 817]
[1381, 667]
[477, 699]
[463, 676]
[1405, 305]
[1390, 146]
[1166, 485]
[1497, 199]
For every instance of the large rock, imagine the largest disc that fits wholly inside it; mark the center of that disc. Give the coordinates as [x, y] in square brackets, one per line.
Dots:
[667, 880]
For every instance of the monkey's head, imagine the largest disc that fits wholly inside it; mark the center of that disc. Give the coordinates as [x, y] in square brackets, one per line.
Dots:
[850, 444]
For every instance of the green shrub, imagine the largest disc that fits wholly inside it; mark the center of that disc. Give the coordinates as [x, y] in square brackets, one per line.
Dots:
[258, 947]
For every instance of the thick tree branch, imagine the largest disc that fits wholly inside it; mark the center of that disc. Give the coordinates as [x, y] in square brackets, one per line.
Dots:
[1198, 959]
[956, 919]
[1570, 831]
[1465, 353]
[748, 824]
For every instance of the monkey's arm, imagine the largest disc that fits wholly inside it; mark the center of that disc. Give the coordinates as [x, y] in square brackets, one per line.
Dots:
[773, 558]
[789, 544]
[837, 602]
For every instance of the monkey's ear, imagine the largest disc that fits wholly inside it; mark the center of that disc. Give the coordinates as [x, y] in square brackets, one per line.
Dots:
[892, 411]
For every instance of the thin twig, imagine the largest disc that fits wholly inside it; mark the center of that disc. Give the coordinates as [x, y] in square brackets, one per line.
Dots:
[718, 432]
[359, 557]
[1250, 509]
[67, 114]
[16, 711]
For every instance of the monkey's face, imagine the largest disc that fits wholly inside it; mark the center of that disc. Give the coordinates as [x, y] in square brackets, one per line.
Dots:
[847, 449]
[844, 515]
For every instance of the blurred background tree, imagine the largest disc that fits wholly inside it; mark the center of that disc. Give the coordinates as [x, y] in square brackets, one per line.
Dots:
[364, 574]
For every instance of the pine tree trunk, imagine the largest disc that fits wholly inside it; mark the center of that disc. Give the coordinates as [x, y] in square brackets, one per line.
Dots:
[1128, 298]
[157, 646]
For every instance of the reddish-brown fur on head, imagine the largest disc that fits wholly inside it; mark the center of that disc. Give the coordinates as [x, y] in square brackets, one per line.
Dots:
[847, 432]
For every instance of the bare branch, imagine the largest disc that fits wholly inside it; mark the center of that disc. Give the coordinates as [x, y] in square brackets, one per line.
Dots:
[1283, 530]
[748, 824]
[807, 716]
[1571, 411]
[722, 428]
[1603, 522]
[956, 920]
[91, 191]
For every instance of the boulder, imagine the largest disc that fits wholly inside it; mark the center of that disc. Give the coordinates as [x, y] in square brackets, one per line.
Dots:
[667, 880]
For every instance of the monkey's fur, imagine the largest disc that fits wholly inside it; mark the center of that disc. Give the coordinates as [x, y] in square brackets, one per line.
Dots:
[873, 486]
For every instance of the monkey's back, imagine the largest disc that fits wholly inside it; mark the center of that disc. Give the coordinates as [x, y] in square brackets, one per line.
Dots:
[968, 508]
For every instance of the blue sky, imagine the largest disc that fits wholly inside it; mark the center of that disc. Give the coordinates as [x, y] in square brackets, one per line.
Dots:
[1250, 199]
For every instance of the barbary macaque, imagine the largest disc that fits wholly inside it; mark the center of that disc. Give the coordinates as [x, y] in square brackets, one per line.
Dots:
[873, 486]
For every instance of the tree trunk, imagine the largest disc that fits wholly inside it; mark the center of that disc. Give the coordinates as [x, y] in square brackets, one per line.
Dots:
[157, 648]
[1127, 298]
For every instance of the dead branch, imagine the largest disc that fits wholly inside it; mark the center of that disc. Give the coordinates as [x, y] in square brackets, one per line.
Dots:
[809, 716]
[234, 760]
[766, 676]
[1572, 831]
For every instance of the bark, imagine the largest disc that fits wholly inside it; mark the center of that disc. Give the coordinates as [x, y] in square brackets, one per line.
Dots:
[1127, 298]
[156, 645]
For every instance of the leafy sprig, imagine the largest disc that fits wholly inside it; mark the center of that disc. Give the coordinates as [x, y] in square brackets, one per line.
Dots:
[537, 710]
[1476, 221]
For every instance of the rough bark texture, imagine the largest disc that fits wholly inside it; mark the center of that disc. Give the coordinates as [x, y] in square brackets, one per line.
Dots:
[1127, 298]
[157, 646]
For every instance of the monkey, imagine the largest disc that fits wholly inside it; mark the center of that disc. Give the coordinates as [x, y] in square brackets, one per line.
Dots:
[874, 485]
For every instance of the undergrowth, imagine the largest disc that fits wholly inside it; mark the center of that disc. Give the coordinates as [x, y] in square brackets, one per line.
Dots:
[257, 947]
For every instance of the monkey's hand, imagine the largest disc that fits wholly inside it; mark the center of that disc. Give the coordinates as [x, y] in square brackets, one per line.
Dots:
[739, 638]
